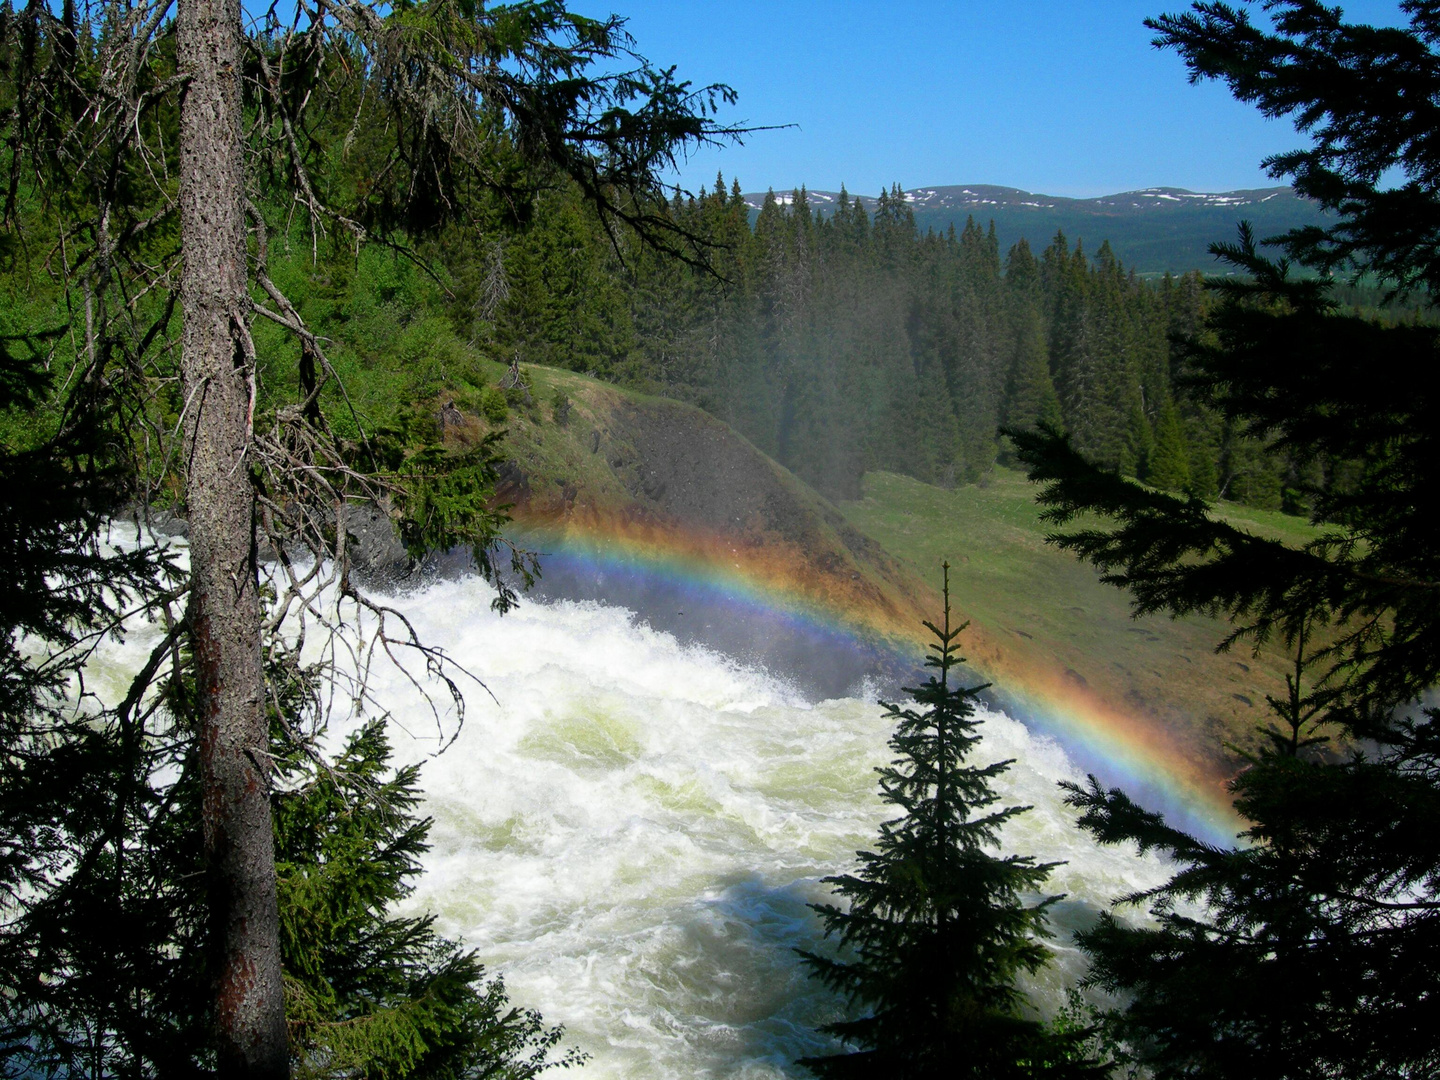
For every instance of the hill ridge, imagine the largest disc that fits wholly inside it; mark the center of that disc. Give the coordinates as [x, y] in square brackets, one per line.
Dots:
[1152, 230]
[945, 196]
[633, 472]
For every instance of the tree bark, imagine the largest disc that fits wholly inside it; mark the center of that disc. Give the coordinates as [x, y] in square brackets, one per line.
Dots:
[225, 605]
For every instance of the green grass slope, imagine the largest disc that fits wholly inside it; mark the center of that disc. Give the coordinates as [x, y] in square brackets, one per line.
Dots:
[592, 459]
[597, 462]
[1048, 606]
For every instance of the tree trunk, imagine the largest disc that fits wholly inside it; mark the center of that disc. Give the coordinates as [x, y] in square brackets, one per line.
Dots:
[224, 602]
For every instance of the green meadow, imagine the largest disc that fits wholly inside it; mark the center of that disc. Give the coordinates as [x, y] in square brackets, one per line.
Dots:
[1048, 605]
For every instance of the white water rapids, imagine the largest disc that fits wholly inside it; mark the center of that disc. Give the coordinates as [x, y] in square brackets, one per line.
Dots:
[631, 831]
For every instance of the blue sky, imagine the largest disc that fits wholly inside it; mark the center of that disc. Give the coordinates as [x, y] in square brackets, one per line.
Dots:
[1055, 97]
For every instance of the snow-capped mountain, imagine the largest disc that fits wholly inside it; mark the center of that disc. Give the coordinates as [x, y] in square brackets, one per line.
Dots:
[1151, 230]
[976, 197]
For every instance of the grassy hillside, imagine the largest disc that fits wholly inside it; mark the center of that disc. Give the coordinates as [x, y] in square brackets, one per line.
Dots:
[592, 459]
[1047, 604]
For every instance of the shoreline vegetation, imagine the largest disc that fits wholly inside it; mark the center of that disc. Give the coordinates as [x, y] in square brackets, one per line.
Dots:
[420, 260]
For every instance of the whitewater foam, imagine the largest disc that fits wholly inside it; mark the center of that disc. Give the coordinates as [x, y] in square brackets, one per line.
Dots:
[631, 830]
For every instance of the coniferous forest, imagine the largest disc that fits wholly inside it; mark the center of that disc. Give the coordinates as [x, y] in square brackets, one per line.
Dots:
[845, 342]
[842, 342]
[239, 262]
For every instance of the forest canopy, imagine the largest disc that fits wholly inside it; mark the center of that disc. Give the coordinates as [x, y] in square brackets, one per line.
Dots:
[842, 341]
[243, 266]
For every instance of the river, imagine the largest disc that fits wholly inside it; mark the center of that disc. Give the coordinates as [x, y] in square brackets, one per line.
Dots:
[630, 831]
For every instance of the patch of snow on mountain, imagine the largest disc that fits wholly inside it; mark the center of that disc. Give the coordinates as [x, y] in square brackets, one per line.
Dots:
[959, 198]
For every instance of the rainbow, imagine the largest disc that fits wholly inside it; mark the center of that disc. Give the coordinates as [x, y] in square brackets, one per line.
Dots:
[774, 604]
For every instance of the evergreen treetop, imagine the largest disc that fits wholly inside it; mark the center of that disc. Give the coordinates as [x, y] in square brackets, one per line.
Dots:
[368, 993]
[1315, 947]
[938, 926]
[1369, 98]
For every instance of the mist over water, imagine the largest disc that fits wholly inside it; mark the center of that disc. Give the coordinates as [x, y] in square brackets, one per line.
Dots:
[631, 831]
[816, 656]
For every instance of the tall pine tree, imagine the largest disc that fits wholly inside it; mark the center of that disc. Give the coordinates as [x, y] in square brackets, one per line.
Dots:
[1315, 949]
[938, 925]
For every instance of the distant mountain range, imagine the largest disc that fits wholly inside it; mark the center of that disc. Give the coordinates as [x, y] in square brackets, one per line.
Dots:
[1151, 231]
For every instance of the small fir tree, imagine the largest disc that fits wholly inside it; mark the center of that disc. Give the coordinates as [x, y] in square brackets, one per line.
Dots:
[1169, 465]
[937, 925]
[371, 994]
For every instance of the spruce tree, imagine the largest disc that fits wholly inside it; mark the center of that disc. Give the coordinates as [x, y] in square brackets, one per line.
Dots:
[938, 926]
[1030, 397]
[1315, 947]
[1310, 951]
[1169, 465]
[370, 993]
[1032, 400]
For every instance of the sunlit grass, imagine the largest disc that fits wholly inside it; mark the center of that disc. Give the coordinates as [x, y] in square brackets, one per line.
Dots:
[1047, 603]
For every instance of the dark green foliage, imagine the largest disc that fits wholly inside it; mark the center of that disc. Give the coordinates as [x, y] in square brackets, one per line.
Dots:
[1327, 388]
[1317, 948]
[560, 407]
[1168, 464]
[565, 304]
[1202, 435]
[1368, 97]
[1354, 402]
[493, 406]
[1252, 476]
[369, 131]
[1313, 950]
[936, 926]
[105, 966]
[1030, 395]
[58, 485]
[448, 501]
[102, 958]
[834, 340]
[478, 130]
[1139, 441]
[370, 994]
[82, 901]
[840, 341]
